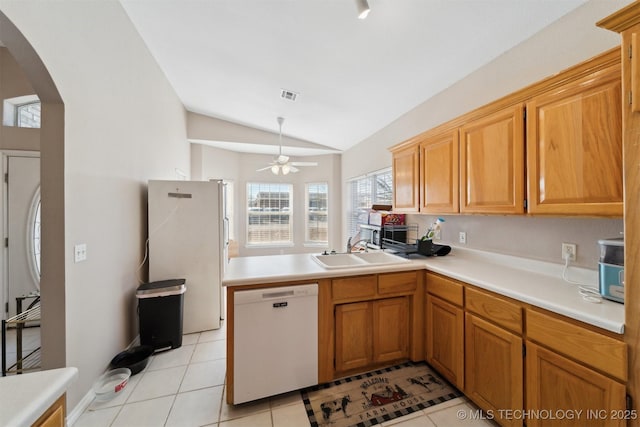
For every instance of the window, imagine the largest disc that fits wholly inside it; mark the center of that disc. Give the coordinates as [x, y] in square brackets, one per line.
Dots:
[374, 188]
[316, 215]
[22, 111]
[269, 214]
[33, 236]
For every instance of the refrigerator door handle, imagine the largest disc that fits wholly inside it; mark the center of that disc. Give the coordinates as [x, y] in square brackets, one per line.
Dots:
[225, 231]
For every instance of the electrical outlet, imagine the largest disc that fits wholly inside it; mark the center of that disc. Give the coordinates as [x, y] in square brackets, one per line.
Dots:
[80, 252]
[568, 251]
[462, 237]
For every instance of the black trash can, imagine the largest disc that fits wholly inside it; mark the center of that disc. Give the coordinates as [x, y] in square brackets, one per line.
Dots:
[160, 306]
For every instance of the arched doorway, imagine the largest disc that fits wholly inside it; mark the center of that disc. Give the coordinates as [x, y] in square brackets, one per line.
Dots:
[52, 260]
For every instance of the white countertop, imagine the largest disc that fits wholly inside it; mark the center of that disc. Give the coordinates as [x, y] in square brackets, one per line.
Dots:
[24, 398]
[534, 282]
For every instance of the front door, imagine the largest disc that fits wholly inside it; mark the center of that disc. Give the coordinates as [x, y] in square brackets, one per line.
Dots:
[23, 229]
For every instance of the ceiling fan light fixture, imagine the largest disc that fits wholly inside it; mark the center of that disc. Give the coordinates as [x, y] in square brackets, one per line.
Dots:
[363, 8]
[281, 164]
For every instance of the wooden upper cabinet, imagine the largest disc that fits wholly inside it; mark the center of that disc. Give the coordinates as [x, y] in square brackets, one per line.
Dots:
[492, 163]
[574, 147]
[439, 177]
[405, 179]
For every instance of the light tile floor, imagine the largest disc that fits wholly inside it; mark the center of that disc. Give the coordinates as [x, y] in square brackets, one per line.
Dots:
[186, 387]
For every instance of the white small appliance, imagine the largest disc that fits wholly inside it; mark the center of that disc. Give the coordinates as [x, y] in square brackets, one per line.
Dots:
[275, 341]
[189, 238]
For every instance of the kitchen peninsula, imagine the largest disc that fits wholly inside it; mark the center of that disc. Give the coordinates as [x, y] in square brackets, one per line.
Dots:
[519, 305]
[36, 399]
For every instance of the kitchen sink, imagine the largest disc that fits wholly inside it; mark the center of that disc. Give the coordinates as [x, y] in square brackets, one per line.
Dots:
[380, 258]
[362, 259]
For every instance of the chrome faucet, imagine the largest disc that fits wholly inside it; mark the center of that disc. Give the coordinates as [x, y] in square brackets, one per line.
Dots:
[350, 246]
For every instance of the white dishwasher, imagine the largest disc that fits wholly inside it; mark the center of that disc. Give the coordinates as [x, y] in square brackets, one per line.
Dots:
[275, 341]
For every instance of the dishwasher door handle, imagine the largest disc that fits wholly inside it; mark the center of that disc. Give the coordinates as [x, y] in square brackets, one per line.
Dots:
[277, 294]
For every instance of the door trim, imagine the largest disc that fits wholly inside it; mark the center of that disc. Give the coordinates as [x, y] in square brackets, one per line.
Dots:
[4, 194]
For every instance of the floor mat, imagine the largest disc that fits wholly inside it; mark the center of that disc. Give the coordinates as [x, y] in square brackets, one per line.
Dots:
[374, 397]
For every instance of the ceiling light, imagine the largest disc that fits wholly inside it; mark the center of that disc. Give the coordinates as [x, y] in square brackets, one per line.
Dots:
[275, 169]
[363, 8]
[286, 169]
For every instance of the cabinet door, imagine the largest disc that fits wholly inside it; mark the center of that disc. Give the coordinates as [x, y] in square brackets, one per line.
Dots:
[574, 148]
[353, 336]
[493, 368]
[439, 178]
[557, 383]
[444, 334]
[54, 416]
[405, 180]
[390, 329]
[492, 163]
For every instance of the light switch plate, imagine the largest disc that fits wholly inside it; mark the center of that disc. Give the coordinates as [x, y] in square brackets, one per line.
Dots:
[80, 252]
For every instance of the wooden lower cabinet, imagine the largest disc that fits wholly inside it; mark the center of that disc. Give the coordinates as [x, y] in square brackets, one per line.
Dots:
[444, 335]
[371, 332]
[353, 336]
[555, 383]
[54, 416]
[493, 369]
[390, 329]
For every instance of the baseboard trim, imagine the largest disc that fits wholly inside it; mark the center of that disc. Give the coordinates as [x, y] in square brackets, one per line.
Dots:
[78, 410]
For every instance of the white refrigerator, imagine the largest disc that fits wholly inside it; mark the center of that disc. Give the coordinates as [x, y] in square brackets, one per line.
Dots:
[188, 239]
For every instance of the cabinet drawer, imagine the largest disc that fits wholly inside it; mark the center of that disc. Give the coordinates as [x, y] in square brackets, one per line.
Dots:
[354, 287]
[495, 309]
[444, 288]
[599, 351]
[397, 282]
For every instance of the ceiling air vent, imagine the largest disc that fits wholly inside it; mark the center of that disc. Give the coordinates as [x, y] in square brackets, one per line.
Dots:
[288, 94]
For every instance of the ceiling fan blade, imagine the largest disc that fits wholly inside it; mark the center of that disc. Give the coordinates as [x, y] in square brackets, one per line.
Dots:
[263, 169]
[292, 168]
[304, 163]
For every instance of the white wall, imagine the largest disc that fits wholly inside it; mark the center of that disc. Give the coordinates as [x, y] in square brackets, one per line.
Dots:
[572, 39]
[241, 169]
[531, 237]
[123, 125]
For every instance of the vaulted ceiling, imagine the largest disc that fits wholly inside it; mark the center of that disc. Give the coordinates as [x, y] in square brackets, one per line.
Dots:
[231, 59]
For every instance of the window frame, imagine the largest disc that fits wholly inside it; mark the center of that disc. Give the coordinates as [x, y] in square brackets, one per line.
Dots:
[289, 213]
[307, 228]
[11, 110]
[370, 180]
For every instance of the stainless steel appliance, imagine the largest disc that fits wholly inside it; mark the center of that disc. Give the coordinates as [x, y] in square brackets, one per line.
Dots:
[372, 234]
[611, 269]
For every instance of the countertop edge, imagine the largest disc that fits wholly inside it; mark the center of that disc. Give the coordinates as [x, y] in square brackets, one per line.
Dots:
[477, 268]
[49, 386]
[609, 325]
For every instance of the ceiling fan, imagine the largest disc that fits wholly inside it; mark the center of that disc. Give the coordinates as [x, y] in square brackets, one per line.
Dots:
[281, 164]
